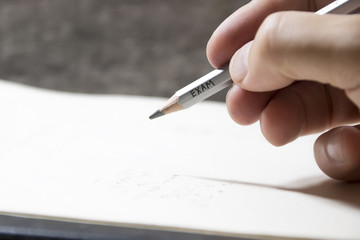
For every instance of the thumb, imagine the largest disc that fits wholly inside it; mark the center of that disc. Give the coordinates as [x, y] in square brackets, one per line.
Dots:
[337, 153]
[301, 46]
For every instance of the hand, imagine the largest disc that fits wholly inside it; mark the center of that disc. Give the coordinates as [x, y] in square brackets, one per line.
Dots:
[298, 73]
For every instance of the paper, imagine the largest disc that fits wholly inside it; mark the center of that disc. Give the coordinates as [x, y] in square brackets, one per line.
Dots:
[98, 158]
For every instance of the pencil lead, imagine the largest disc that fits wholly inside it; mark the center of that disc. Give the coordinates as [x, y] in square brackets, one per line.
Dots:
[156, 114]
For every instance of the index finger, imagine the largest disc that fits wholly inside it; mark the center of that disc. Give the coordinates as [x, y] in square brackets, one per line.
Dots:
[241, 26]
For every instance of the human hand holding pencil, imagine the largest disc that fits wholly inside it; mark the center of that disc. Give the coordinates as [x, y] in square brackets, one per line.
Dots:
[298, 73]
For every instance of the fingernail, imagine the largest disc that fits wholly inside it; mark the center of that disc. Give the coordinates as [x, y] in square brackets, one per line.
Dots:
[334, 147]
[239, 63]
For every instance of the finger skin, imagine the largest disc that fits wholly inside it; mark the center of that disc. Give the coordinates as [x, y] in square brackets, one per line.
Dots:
[278, 56]
[299, 109]
[242, 25]
[304, 108]
[246, 107]
[328, 51]
[283, 119]
[337, 153]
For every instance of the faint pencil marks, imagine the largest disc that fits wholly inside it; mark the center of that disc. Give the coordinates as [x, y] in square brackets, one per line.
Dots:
[133, 185]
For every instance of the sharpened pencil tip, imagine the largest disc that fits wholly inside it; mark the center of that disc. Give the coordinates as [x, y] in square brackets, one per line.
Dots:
[156, 114]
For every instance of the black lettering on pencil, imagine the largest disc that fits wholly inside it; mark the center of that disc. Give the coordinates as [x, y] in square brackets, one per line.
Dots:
[198, 90]
[208, 83]
[202, 88]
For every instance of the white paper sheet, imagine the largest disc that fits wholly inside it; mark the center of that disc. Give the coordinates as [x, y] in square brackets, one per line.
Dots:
[99, 158]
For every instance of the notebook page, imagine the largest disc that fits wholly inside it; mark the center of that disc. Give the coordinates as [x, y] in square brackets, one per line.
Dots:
[97, 158]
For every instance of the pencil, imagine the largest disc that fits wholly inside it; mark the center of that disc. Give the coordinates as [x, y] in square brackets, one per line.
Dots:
[197, 91]
[219, 79]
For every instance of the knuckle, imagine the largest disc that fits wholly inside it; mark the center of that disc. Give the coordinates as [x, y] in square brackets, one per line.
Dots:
[270, 44]
[269, 36]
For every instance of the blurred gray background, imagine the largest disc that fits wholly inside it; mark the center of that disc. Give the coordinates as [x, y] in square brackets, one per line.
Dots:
[141, 47]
